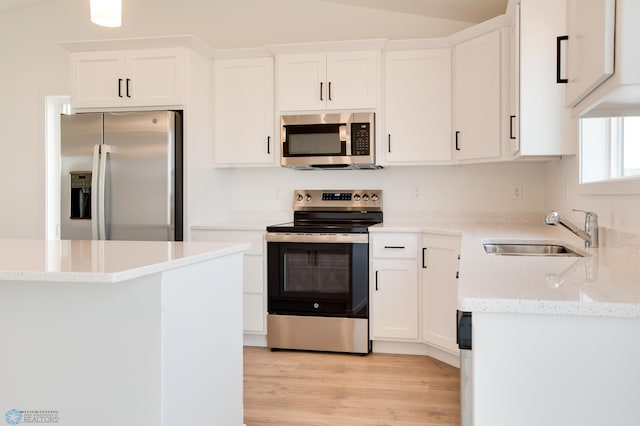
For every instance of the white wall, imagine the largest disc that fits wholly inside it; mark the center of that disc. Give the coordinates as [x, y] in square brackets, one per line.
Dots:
[468, 189]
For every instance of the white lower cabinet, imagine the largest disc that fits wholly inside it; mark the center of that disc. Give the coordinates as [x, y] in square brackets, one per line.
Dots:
[440, 265]
[253, 288]
[394, 303]
[414, 294]
[394, 286]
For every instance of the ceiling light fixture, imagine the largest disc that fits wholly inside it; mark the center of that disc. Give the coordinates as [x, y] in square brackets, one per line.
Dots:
[107, 13]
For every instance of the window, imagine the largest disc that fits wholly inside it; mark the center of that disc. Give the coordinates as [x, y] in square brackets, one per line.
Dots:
[609, 149]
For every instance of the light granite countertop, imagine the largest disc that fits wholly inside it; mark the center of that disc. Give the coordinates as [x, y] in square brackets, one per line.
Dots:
[101, 261]
[605, 282]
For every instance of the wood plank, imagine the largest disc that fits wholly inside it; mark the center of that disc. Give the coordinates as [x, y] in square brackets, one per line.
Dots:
[298, 388]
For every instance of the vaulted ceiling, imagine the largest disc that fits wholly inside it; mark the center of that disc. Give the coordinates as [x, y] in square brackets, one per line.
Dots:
[459, 10]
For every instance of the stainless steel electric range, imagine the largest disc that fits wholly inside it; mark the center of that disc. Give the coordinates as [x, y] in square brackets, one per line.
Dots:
[318, 272]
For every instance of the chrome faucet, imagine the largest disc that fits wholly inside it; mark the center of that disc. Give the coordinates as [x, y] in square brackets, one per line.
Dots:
[590, 233]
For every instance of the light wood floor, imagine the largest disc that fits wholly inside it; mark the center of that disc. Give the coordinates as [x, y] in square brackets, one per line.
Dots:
[289, 388]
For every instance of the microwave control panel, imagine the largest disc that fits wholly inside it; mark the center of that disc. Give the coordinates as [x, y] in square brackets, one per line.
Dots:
[360, 139]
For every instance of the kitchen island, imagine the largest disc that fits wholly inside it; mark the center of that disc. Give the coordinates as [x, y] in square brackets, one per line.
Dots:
[129, 333]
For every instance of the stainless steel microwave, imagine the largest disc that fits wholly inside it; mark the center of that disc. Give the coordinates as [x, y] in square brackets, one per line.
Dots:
[328, 141]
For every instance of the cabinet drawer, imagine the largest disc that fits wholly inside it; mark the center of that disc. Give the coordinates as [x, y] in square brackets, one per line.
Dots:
[395, 246]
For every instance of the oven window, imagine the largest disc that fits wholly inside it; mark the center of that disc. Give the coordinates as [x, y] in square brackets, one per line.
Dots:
[316, 139]
[316, 272]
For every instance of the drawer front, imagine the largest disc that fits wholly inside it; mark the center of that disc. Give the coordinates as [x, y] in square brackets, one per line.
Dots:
[395, 245]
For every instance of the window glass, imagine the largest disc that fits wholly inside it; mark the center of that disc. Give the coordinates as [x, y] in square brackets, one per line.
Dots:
[609, 148]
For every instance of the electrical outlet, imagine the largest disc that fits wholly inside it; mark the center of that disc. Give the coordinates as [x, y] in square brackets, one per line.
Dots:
[276, 192]
[416, 192]
[516, 192]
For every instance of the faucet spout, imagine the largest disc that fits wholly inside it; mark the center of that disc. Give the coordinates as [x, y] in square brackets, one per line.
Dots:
[590, 232]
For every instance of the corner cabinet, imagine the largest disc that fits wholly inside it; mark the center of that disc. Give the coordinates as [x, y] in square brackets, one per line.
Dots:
[478, 90]
[243, 112]
[128, 78]
[254, 294]
[417, 106]
[328, 81]
[394, 287]
[440, 266]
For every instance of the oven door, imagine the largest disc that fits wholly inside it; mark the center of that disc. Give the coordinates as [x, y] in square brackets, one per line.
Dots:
[318, 274]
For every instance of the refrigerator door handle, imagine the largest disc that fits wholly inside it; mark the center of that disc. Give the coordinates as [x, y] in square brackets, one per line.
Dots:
[94, 192]
[102, 231]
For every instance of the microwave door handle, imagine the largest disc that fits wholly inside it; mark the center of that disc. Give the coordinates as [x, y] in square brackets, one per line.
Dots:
[321, 84]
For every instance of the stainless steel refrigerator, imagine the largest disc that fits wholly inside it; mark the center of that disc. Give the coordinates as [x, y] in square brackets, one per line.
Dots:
[121, 176]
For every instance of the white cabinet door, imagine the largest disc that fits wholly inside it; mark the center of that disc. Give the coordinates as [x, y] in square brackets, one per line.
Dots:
[417, 106]
[590, 55]
[244, 119]
[128, 78]
[394, 301]
[156, 77]
[302, 82]
[440, 291]
[97, 79]
[542, 124]
[326, 81]
[254, 313]
[477, 98]
[253, 280]
[352, 79]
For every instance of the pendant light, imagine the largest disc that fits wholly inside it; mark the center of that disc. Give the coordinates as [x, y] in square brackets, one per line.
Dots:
[107, 13]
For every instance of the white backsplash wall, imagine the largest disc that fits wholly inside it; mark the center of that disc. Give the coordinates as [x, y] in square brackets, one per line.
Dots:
[432, 190]
[618, 212]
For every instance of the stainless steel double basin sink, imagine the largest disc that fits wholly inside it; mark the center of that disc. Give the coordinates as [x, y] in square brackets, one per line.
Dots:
[529, 248]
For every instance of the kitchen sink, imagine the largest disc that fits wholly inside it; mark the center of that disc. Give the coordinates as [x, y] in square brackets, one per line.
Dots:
[529, 249]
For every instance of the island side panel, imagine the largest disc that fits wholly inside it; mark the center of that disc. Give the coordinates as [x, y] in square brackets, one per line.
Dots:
[88, 351]
[202, 343]
[555, 370]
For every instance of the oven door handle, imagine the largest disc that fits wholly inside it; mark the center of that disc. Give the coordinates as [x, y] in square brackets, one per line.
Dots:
[277, 237]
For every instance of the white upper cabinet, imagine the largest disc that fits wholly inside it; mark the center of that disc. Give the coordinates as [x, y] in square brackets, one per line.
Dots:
[417, 106]
[590, 28]
[603, 65]
[478, 97]
[328, 81]
[128, 78]
[540, 125]
[244, 119]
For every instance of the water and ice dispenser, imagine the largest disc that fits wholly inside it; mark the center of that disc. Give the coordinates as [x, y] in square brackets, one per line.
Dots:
[80, 195]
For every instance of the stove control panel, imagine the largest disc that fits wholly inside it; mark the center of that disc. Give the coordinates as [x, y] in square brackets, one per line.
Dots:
[315, 199]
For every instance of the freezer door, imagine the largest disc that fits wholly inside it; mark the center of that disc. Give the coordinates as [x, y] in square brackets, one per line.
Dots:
[140, 176]
[79, 134]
